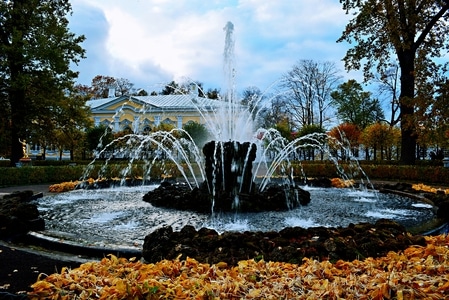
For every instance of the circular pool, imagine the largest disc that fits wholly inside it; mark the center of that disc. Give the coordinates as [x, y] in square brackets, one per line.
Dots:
[119, 217]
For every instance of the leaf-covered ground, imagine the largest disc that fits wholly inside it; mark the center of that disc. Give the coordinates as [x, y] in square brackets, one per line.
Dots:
[418, 272]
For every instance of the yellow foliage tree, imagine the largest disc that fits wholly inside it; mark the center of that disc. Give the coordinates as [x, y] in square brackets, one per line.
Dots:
[382, 139]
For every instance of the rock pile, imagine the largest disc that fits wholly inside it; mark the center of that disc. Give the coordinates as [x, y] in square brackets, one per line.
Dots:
[18, 215]
[292, 244]
[180, 196]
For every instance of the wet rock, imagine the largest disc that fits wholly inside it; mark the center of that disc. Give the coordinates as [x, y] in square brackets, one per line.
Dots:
[180, 196]
[289, 245]
[319, 182]
[24, 196]
[443, 209]
[400, 186]
[18, 215]
[441, 201]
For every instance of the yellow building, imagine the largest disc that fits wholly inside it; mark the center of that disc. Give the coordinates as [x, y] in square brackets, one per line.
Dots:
[142, 113]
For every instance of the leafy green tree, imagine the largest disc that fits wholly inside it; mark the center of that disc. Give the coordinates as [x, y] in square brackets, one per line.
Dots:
[98, 137]
[72, 116]
[284, 127]
[36, 50]
[173, 88]
[213, 93]
[355, 106]
[411, 32]
[198, 132]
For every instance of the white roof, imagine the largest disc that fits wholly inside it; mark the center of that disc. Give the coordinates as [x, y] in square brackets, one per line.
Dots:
[160, 101]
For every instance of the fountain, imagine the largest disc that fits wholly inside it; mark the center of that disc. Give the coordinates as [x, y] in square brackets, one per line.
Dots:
[226, 181]
[230, 186]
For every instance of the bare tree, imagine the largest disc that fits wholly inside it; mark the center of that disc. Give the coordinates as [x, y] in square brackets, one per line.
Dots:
[389, 87]
[310, 84]
[123, 86]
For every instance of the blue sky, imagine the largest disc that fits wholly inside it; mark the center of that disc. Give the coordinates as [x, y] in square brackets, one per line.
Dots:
[151, 42]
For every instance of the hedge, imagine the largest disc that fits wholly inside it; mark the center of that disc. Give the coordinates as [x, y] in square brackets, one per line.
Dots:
[27, 175]
[57, 174]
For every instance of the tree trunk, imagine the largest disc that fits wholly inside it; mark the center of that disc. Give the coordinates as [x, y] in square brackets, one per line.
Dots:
[407, 107]
[17, 100]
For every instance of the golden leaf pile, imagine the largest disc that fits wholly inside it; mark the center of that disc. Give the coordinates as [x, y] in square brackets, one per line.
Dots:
[415, 273]
[426, 188]
[342, 183]
[68, 185]
[63, 187]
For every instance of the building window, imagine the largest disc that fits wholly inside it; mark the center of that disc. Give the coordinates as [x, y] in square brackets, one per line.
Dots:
[179, 122]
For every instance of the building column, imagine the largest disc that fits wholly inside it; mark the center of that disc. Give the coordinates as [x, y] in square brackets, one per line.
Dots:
[157, 120]
[136, 124]
[116, 124]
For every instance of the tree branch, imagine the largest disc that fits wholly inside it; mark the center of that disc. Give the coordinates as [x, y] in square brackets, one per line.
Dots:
[429, 25]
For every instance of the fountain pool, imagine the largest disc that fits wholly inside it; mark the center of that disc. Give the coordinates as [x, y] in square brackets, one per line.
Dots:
[117, 217]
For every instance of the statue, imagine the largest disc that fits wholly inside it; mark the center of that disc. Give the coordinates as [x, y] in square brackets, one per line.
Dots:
[24, 148]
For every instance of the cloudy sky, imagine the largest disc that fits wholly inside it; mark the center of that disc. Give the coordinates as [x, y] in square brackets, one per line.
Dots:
[151, 42]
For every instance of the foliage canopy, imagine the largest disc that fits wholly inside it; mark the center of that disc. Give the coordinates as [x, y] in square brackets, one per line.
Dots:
[409, 32]
[36, 50]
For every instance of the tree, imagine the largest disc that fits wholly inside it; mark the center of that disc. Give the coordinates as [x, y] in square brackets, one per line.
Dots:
[36, 49]
[213, 93]
[142, 92]
[434, 122]
[311, 138]
[198, 132]
[66, 123]
[345, 137]
[355, 106]
[72, 116]
[284, 127]
[252, 100]
[389, 85]
[308, 85]
[174, 88]
[103, 85]
[98, 137]
[410, 31]
[82, 90]
[272, 112]
[123, 86]
[382, 138]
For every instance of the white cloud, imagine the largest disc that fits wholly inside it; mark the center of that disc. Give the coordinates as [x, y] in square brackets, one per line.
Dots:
[153, 41]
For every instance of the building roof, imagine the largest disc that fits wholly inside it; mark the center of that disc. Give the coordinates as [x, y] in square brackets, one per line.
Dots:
[163, 102]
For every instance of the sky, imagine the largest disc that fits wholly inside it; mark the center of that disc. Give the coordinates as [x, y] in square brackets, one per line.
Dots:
[152, 42]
